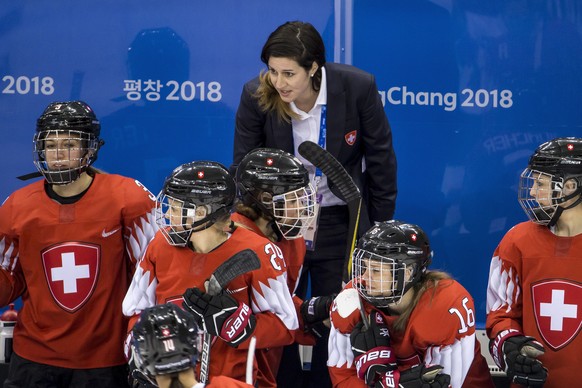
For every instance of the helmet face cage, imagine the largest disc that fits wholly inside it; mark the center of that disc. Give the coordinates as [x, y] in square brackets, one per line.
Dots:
[552, 181]
[390, 259]
[294, 211]
[379, 279]
[193, 198]
[165, 339]
[61, 156]
[540, 194]
[175, 219]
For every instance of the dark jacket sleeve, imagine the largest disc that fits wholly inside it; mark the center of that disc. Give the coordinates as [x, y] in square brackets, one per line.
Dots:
[249, 125]
[380, 160]
[355, 105]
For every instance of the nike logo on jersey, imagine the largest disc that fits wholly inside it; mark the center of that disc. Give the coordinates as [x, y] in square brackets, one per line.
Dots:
[107, 234]
[237, 290]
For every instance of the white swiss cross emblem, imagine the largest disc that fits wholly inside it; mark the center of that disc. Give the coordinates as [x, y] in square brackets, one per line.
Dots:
[71, 272]
[351, 137]
[558, 311]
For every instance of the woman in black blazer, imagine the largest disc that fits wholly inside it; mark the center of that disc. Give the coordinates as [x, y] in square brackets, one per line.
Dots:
[283, 107]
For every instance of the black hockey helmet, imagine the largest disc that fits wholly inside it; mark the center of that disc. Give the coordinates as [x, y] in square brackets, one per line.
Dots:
[66, 141]
[271, 170]
[276, 184]
[552, 181]
[164, 339]
[398, 252]
[560, 157]
[200, 184]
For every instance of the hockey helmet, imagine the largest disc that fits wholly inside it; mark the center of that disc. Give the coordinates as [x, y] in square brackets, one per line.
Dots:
[193, 197]
[552, 181]
[276, 183]
[388, 260]
[66, 141]
[165, 340]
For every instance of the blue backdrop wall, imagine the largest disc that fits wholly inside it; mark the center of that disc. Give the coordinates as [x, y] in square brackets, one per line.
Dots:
[470, 89]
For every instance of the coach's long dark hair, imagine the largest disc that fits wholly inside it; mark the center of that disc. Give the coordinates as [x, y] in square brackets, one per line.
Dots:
[300, 42]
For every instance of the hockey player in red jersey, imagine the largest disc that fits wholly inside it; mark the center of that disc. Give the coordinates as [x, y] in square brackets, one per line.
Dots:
[277, 201]
[194, 208]
[69, 244]
[419, 328]
[534, 296]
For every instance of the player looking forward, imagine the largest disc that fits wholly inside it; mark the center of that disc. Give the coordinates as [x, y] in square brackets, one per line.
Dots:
[69, 244]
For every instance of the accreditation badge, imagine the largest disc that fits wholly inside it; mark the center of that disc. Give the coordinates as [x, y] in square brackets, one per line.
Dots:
[311, 233]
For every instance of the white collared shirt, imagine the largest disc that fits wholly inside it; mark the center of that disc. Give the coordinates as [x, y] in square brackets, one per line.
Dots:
[307, 127]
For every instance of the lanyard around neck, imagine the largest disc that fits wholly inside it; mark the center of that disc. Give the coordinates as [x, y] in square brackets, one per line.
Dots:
[322, 135]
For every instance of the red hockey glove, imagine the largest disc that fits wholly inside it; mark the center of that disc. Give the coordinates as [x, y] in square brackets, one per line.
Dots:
[221, 315]
[372, 351]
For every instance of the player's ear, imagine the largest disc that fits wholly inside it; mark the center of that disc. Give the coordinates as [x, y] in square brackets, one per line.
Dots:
[201, 211]
[408, 272]
[570, 186]
[266, 198]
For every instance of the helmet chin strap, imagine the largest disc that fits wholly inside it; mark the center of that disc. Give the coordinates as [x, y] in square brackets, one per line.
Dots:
[260, 207]
[560, 209]
[207, 222]
[273, 225]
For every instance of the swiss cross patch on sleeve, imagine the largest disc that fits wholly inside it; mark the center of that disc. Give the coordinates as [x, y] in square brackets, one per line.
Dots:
[351, 137]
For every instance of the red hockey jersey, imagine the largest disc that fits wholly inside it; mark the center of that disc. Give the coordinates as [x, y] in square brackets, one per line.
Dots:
[535, 287]
[72, 264]
[165, 272]
[294, 252]
[440, 330]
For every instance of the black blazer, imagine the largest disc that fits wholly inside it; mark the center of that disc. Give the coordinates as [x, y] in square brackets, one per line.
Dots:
[353, 104]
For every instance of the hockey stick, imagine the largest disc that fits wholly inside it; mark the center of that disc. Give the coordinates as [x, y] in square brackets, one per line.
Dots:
[250, 359]
[238, 264]
[348, 191]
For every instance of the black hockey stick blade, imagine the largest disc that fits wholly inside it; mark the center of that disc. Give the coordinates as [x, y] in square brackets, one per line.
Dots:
[348, 190]
[238, 264]
[31, 175]
[333, 169]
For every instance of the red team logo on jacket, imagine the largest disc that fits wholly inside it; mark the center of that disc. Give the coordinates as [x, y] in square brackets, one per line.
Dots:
[71, 271]
[557, 310]
[351, 137]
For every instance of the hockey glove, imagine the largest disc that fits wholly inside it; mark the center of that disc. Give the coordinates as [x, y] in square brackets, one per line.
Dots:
[221, 315]
[520, 356]
[419, 376]
[372, 351]
[314, 312]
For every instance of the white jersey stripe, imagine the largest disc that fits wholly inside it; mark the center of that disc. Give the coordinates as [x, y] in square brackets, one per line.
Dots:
[456, 359]
[275, 298]
[339, 349]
